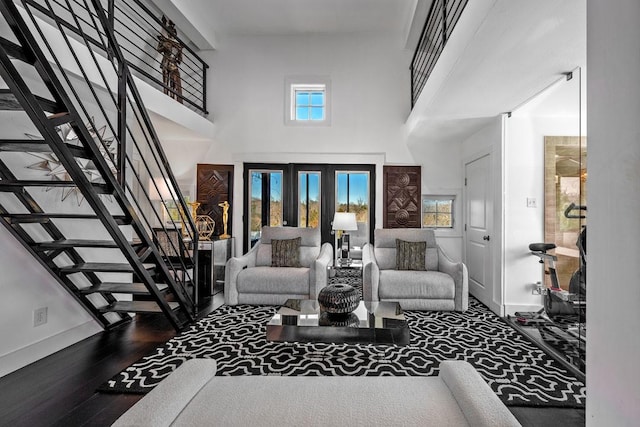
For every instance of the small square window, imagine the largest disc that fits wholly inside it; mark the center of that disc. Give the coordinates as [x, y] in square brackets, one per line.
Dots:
[309, 105]
[437, 211]
[307, 101]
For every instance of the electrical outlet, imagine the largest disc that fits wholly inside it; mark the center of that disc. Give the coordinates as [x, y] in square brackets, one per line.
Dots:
[531, 202]
[39, 316]
[537, 288]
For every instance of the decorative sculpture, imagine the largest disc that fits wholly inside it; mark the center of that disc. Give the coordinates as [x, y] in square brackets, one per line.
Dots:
[171, 50]
[225, 217]
[205, 226]
[51, 164]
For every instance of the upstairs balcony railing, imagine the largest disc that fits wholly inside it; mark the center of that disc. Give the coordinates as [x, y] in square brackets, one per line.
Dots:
[180, 73]
[441, 20]
[139, 32]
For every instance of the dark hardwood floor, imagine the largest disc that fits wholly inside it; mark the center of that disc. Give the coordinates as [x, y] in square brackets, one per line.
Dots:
[60, 390]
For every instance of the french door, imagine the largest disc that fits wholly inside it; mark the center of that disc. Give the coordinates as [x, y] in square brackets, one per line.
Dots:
[307, 195]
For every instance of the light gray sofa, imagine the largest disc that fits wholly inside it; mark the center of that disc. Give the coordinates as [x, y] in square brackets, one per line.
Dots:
[444, 286]
[194, 396]
[250, 279]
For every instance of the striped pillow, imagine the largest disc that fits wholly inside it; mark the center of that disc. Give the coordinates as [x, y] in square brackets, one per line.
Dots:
[410, 255]
[285, 253]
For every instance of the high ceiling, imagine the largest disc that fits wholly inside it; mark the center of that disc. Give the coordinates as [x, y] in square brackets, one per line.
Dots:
[501, 54]
[506, 51]
[291, 17]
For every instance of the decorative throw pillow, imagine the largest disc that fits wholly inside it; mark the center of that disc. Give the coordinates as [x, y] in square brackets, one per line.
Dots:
[410, 255]
[285, 253]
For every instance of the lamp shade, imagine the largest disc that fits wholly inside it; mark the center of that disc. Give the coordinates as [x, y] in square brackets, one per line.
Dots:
[161, 189]
[345, 221]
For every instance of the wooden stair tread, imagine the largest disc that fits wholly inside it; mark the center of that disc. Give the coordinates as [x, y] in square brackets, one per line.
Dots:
[43, 217]
[16, 51]
[11, 185]
[59, 118]
[73, 243]
[123, 288]
[137, 307]
[9, 102]
[106, 267]
[38, 146]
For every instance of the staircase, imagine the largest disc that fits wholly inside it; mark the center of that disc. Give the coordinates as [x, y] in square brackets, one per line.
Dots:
[78, 189]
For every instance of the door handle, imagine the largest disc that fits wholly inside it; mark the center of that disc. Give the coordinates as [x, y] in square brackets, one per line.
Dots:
[487, 238]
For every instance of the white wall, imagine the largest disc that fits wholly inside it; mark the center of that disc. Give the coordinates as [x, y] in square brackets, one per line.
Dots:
[26, 286]
[370, 102]
[613, 93]
[442, 175]
[370, 90]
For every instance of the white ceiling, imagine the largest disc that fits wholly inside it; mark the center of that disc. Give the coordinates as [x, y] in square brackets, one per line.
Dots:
[291, 17]
[502, 54]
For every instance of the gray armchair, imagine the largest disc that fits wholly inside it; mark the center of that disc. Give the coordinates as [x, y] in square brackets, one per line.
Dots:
[251, 279]
[443, 286]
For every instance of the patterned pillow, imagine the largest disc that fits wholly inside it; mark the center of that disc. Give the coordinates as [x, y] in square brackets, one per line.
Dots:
[285, 253]
[410, 255]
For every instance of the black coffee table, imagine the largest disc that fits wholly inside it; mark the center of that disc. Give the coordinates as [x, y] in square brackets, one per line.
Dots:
[372, 322]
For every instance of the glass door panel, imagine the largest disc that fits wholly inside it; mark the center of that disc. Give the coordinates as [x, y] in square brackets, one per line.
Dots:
[266, 204]
[309, 199]
[352, 195]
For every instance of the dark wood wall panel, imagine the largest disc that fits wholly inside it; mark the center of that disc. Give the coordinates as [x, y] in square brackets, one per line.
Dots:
[402, 192]
[214, 185]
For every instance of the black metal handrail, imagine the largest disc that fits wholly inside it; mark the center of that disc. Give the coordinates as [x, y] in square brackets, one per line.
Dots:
[441, 20]
[107, 100]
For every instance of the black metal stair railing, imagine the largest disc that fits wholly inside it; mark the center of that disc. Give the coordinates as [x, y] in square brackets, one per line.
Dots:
[137, 30]
[101, 119]
[441, 20]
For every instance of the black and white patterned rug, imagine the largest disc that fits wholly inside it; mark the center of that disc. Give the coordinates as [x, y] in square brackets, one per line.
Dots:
[520, 373]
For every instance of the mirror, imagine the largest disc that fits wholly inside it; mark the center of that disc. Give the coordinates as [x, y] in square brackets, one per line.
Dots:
[565, 178]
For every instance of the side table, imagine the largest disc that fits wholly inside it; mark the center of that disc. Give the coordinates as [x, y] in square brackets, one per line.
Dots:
[212, 257]
[349, 273]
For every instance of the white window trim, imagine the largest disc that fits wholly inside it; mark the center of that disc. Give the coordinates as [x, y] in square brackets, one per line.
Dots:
[456, 194]
[289, 96]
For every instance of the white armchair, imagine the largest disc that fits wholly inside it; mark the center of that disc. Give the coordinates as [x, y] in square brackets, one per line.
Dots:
[443, 284]
[251, 278]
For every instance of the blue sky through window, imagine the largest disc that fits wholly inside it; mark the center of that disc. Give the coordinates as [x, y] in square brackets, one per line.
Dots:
[310, 105]
[358, 187]
[276, 185]
[314, 187]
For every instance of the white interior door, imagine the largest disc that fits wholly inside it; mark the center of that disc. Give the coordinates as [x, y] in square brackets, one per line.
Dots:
[478, 227]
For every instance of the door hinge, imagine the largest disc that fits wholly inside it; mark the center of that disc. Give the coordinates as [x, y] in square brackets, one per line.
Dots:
[465, 182]
[465, 227]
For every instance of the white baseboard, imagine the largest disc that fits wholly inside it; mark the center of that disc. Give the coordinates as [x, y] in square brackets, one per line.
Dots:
[512, 308]
[24, 356]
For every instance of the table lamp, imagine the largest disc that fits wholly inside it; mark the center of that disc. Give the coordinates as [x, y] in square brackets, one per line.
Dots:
[342, 222]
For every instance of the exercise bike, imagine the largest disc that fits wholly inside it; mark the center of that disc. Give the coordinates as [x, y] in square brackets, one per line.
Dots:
[561, 305]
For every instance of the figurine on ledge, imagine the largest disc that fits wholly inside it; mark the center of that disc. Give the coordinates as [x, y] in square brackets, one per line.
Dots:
[171, 50]
[225, 217]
